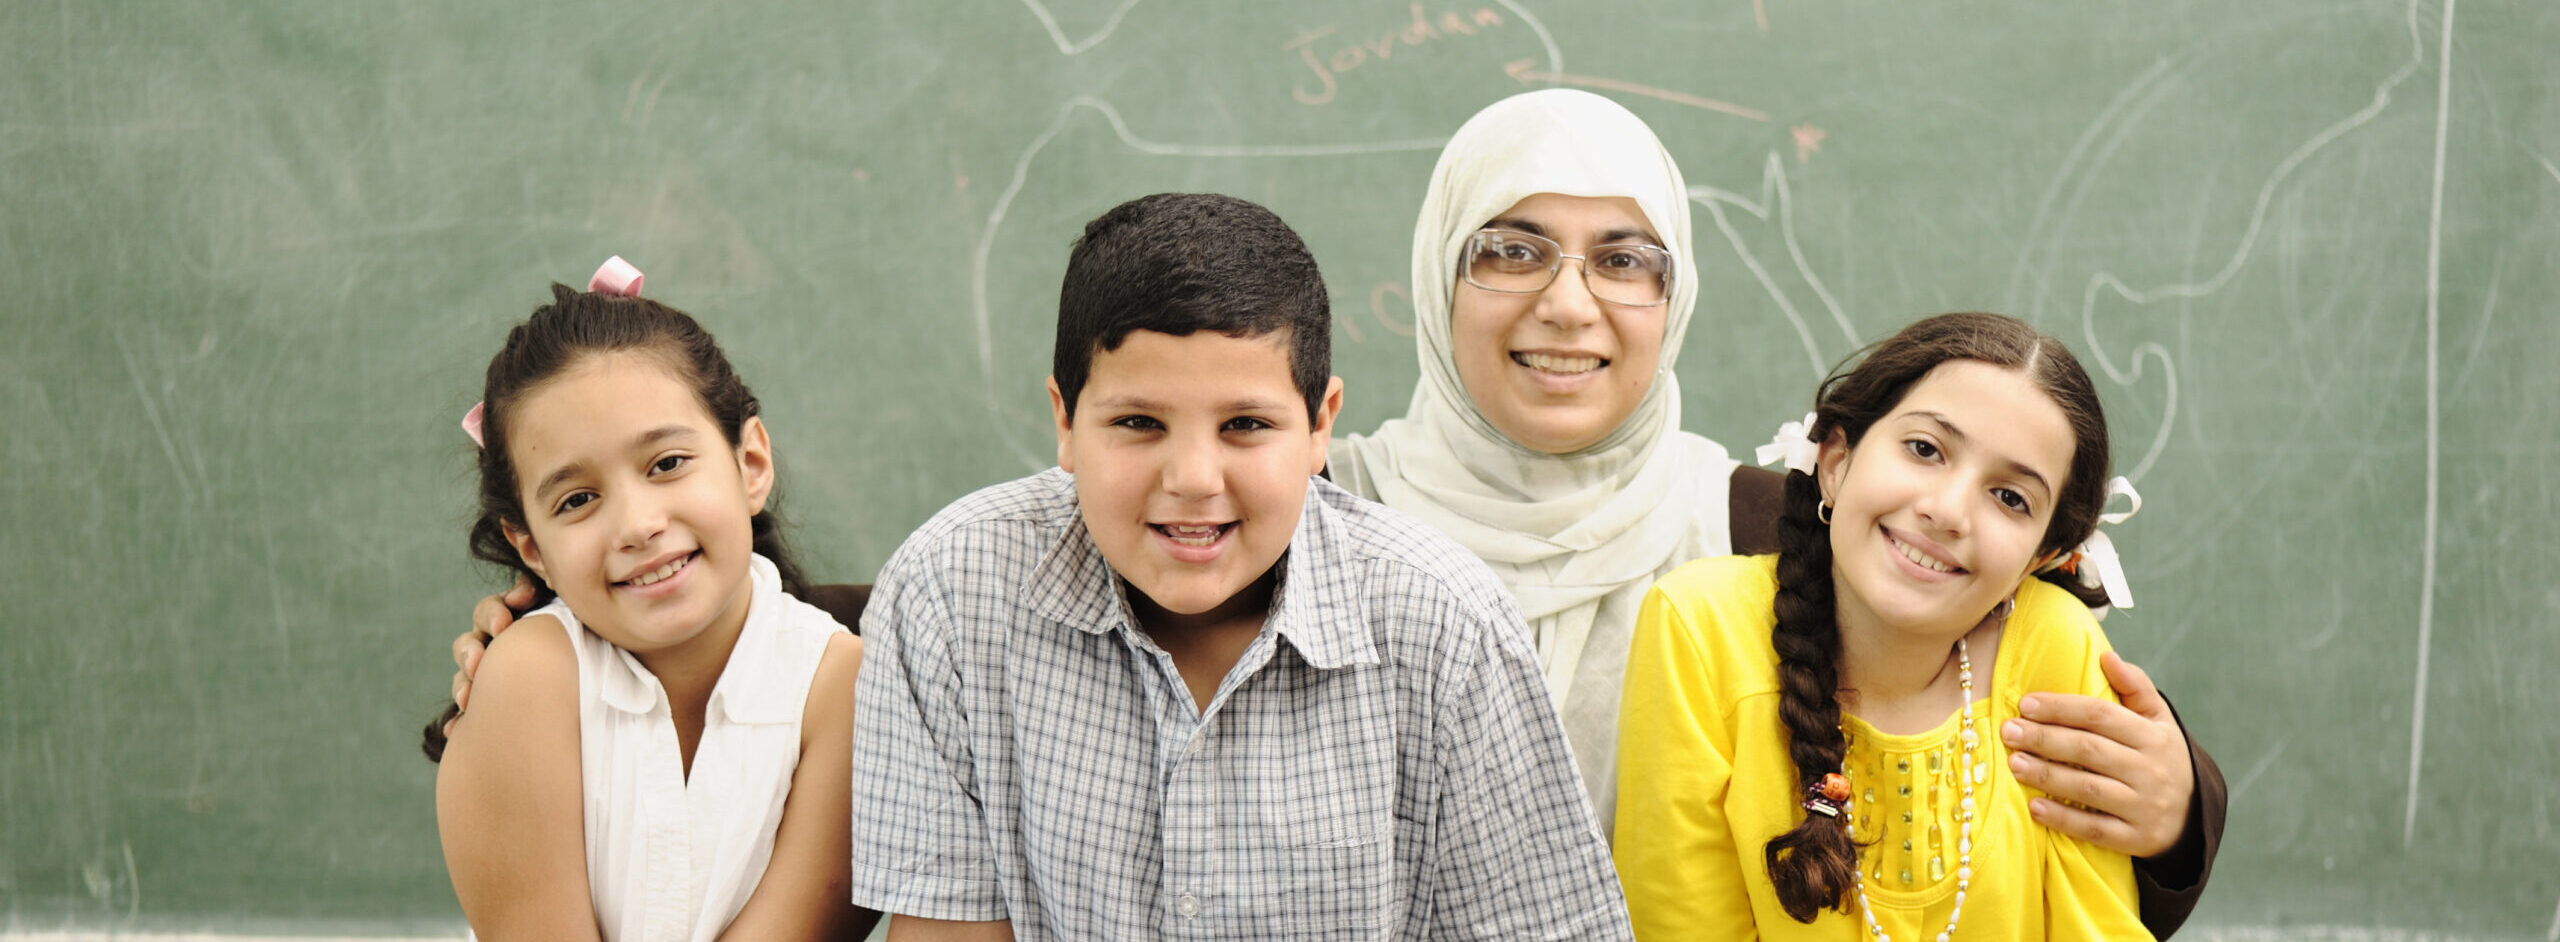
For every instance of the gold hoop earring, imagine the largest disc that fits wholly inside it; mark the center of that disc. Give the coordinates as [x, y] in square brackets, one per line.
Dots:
[1823, 513]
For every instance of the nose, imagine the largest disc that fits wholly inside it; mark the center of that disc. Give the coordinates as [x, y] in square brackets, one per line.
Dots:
[1568, 301]
[1943, 506]
[643, 517]
[1192, 469]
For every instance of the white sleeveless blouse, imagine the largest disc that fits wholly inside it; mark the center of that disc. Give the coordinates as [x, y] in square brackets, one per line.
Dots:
[670, 860]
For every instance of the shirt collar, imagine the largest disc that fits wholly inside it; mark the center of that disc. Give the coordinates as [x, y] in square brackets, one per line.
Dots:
[1318, 607]
[742, 699]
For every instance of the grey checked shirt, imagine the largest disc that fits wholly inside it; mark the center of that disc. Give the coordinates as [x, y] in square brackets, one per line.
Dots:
[1382, 763]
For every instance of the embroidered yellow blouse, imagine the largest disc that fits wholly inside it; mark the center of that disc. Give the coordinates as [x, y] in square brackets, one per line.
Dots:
[1704, 781]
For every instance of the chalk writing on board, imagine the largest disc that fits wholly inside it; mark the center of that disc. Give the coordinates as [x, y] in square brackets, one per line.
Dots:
[1808, 141]
[2079, 173]
[1776, 199]
[1330, 55]
[1058, 35]
[1384, 311]
[1527, 71]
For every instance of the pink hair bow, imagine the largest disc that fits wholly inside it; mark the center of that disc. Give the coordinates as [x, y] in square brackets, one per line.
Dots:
[614, 277]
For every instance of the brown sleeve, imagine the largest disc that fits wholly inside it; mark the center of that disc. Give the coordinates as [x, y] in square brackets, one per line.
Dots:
[844, 603]
[1752, 503]
[2169, 885]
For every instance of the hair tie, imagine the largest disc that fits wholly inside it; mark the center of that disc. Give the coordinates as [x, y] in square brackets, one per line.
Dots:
[2095, 561]
[1830, 796]
[614, 277]
[1795, 443]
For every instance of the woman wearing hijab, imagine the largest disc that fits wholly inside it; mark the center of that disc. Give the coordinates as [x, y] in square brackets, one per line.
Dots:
[1545, 436]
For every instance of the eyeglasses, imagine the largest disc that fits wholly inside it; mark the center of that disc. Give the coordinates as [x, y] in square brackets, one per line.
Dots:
[1515, 262]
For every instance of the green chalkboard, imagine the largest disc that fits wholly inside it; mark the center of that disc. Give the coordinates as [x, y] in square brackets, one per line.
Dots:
[255, 253]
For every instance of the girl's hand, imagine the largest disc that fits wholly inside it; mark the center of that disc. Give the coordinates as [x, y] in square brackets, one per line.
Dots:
[493, 615]
[2126, 766]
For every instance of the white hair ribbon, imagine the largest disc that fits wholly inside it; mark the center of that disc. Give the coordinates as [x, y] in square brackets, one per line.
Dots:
[2105, 569]
[1795, 443]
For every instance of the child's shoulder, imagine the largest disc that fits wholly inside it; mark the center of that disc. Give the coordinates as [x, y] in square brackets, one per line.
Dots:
[539, 641]
[1722, 575]
[528, 675]
[2052, 641]
[1041, 496]
[1374, 534]
[1041, 500]
[830, 705]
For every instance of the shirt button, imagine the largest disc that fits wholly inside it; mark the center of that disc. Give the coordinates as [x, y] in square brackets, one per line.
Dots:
[1187, 904]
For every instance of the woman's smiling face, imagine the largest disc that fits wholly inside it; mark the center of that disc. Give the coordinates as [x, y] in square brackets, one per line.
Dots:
[1558, 370]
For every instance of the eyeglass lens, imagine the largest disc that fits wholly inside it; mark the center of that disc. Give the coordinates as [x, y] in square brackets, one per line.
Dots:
[1517, 262]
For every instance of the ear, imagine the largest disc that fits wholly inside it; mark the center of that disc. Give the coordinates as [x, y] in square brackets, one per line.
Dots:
[526, 549]
[755, 463]
[1833, 466]
[1325, 414]
[1066, 428]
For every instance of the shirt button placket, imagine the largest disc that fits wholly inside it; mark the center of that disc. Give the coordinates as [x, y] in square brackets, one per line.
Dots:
[1191, 818]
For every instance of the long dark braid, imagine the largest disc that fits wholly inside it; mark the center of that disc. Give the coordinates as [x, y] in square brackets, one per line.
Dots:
[1814, 865]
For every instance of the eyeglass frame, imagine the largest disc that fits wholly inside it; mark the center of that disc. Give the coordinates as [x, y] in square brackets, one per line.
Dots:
[1670, 265]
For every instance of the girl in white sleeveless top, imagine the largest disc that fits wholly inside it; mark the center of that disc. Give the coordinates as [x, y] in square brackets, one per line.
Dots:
[666, 753]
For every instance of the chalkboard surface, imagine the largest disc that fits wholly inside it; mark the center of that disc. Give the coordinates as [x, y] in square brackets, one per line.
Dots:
[255, 254]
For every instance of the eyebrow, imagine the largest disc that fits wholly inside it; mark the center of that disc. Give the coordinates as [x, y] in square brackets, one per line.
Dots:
[1958, 434]
[1611, 237]
[645, 439]
[1136, 403]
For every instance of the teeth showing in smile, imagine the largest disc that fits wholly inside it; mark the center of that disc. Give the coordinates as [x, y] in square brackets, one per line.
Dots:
[655, 575]
[1924, 559]
[1546, 363]
[1192, 536]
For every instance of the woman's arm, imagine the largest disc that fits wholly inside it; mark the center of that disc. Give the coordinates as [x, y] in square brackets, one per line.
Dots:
[804, 891]
[507, 795]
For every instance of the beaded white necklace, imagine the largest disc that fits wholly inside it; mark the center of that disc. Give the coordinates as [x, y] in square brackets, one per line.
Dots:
[1964, 832]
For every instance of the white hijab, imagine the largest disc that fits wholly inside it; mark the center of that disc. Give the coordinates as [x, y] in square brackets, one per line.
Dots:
[1579, 536]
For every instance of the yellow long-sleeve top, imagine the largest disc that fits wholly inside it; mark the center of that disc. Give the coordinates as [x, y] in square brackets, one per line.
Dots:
[1705, 780]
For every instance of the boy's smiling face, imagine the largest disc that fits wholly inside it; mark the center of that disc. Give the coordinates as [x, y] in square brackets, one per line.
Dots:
[1191, 455]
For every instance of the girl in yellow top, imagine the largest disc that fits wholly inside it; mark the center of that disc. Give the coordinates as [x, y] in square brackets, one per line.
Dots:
[1806, 741]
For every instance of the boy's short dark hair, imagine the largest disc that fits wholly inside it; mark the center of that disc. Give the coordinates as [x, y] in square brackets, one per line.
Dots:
[1176, 263]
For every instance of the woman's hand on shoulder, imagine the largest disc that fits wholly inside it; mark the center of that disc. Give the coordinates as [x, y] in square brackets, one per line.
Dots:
[493, 615]
[2125, 765]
